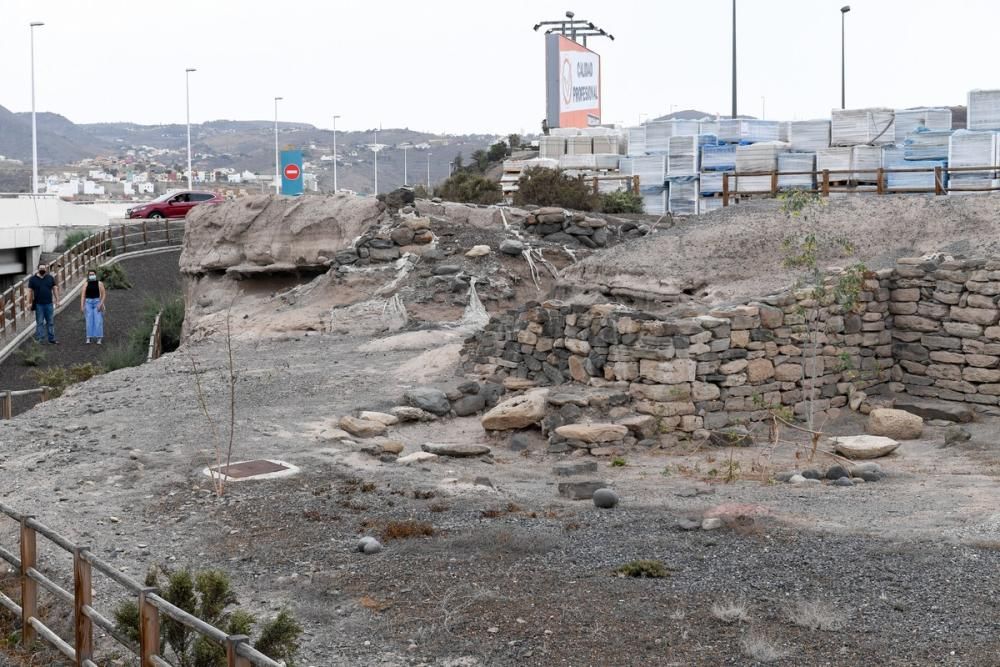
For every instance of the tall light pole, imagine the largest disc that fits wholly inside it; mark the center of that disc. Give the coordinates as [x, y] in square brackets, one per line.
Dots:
[277, 169]
[375, 150]
[335, 117]
[734, 58]
[405, 179]
[34, 126]
[843, 86]
[429, 172]
[187, 94]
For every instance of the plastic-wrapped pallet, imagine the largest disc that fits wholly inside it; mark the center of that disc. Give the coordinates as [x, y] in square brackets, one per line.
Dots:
[681, 127]
[967, 148]
[853, 127]
[578, 161]
[658, 133]
[606, 144]
[708, 127]
[809, 135]
[682, 156]
[579, 145]
[711, 182]
[564, 132]
[552, 147]
[926, 144]
[709, 204]
[636, 141]
[836, 160]
[865, 163]
[797, 162]
[983, 110]
[736, 131]
[908, 120]
[651, 171]
[708, 140]
[784, 130]
[718, 158]
[894, 157]
[753, 184]
[682, 197]
[759, 157]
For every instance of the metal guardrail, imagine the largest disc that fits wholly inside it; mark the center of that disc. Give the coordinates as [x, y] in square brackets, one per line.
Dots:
[239, 652]
[825, 180]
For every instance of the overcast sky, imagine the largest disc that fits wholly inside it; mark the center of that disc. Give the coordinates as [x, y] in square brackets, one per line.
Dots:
[465, 66]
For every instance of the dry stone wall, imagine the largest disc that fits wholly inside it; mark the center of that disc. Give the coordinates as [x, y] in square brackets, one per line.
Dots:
[725, 367]
[946, 337]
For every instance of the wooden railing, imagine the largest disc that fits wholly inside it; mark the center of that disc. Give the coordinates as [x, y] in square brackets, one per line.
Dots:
[826, 181]
[7, 399]
[72, 265]
[155, 340]
[631, 183]
[239, 653]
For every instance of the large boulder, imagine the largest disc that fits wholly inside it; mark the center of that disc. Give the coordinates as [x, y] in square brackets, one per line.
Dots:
[932, 409]
[895, 424]
[428, 399]
[361, 428]
[518, 412]
[864, 446]
[593, 433]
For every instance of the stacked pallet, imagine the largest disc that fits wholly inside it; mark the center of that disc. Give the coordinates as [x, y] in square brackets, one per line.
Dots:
[797, 162]
[710, 182]
[908, 120]
[658, 133]
[854, 127]
[983, 110]
[837, 160]
[894, 157]
[865, 163]
[683, 195]
[652, 174]
[606, 144]
[590, 162]
[927, 144]
[579, 145]
[636, 141]
[552, 147]
[708, 126]
[736, 131]
[718, 158]
[682, 155]
[757, 158]
[808, 136]
[974, 149]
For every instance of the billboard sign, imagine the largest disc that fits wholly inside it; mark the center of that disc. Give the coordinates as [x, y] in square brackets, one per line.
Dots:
[572, 83]
[291, 172]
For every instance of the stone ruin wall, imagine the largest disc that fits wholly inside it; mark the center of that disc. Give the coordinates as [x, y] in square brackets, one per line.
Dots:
[930, 327]
[706, 372]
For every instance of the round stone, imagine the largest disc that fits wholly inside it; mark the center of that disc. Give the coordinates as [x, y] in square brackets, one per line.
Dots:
[843, 481]
[811, 474]
[605, 498]
[835, 472]
[369, 545]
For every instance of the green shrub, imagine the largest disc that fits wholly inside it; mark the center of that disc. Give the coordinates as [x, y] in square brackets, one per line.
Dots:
[123, 355]
[74, 237]
[551, 187]
[208, 595]
[113, 276]
[58, 378]
[31, 354]
[136, 347]
[652, 569]
[622, 201]
[469, 188]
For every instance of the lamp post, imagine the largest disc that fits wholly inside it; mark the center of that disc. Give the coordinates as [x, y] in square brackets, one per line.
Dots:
[734, 58]
[34, 126]
[375, 150]
[187, 95]
[277, 169]
[405, 179]
[843, 87]
[335, 117]
[429, 172]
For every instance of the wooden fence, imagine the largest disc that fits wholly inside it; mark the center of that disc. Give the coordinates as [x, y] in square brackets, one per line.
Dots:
[80, 650]
[155, 340]
[72, 265]
[827, 181]
[7, 399]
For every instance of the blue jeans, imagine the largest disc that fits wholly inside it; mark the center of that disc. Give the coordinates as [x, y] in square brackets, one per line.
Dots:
[94, 318]
[45, 322]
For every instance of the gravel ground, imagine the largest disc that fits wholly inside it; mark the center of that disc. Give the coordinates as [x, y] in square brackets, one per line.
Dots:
[514, 574]
[152, 277]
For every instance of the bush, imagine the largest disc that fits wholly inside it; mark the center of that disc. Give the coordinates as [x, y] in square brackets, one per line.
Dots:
[469, 188]
[58, 378]
[31, 354]
[136, 348]
[208, 595]
[652, 569]
[73, 238]
[402, 530]
[550, 187]
[113, 276]
[622, 201]
[420, 192]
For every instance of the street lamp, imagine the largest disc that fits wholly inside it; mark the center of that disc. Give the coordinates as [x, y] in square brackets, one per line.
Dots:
[335, 117]
[405, 179]
[277, 171]
[375, 150]
[34, 126]
[843, 87]
[187, 94]
[429, 172]
[734, 58]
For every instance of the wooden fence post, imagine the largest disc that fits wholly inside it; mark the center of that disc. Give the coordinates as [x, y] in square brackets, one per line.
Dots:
[29, 587]
[45, 393]
[635, 185]
[938, 182]
[84, 629]
[124, 240]
[826, 182]
[149, 629]
[234, 659]
[8, 405]
[596, 190]
[774, 183]
[880, 181]
[145, 240]
[725, 188]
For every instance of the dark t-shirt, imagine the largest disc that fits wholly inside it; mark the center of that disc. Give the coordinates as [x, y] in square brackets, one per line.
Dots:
[42, 288]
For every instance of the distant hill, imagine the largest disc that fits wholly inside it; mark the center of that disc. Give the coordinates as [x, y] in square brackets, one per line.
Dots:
[59, 140]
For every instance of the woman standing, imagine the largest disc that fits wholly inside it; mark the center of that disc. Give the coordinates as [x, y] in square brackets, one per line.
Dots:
[92, 306]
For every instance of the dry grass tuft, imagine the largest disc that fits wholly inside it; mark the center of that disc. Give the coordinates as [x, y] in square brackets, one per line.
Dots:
[652, 569]
[734, 611]
[816, 615]
[404, 530]
[761, 647]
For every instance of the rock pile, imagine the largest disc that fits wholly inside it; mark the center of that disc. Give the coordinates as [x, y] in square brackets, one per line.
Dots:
[559, 226]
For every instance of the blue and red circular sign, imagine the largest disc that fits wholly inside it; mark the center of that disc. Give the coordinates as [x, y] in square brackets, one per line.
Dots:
[292, 171]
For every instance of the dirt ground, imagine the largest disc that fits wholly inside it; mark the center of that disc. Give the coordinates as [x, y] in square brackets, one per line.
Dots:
[906, 570]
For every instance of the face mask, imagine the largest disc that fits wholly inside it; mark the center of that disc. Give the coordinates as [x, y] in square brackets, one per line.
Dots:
[91, 277]
[41, 272]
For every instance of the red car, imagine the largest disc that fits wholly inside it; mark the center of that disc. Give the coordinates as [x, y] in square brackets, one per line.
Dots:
[173, 204]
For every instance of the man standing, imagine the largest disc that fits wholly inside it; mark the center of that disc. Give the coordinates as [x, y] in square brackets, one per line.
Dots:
[43, 295]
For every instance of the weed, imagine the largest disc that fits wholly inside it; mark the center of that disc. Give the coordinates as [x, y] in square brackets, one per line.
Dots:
[761, 647]
[677, 615]
[618, 462]
[113, 276]
[424, 494]
[734, 611]
[59, 378]
[438, 508]
[31, 354]
[816, 615]
[74, 237]
[652, 569]
[622, 201]
[403, 530]
[368, 487]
